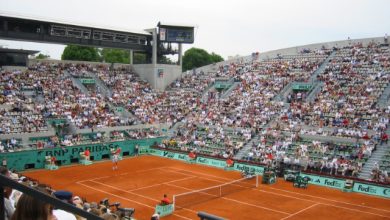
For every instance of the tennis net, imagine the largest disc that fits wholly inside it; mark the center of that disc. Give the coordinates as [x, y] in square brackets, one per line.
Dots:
[187, 199]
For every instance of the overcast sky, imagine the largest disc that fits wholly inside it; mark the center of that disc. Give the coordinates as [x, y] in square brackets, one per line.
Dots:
[225, 27]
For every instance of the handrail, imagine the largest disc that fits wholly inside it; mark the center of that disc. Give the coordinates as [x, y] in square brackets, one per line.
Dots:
[7, 182]
[206, 216]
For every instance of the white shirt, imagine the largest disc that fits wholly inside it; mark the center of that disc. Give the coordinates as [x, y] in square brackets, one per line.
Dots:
[63, 215]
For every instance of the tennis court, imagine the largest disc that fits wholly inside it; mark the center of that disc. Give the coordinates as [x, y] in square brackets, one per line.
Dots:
[141, 182]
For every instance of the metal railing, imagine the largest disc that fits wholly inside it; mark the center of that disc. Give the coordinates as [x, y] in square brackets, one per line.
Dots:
[7, 182]
[206, 216]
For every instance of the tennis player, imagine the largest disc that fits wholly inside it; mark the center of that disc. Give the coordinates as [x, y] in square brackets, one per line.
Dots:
[115, 158]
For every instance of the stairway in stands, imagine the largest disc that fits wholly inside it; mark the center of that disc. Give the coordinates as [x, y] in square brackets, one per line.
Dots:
[103, 89]
[228, 91]
[282, 96]
[383, 100]
[376, 156]
[77, 83]
[322, 67]
[317, 84]
[245, 150]
[206, 92]
[313, 93]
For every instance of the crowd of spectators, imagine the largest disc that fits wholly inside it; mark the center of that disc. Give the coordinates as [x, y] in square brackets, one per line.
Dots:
[294, 152]
[353, 81]
[20, 206]
[211, 140]
[346, 105]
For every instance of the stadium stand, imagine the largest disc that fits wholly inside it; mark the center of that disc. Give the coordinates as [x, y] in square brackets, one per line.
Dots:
[245, 109]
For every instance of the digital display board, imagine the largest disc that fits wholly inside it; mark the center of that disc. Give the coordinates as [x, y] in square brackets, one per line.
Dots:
[177, 35]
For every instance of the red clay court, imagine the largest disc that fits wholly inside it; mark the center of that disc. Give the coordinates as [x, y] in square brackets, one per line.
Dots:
[141, 182]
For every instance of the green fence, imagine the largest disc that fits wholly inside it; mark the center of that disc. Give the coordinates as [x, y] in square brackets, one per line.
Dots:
[372, 189]
[36, 159]
[382, 191]
[326, 181]
[66, 155]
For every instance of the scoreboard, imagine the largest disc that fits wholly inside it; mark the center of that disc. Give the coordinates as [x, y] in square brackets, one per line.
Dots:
[176, 34]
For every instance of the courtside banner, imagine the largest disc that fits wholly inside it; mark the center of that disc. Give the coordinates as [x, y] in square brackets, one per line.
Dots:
[325, 181]
[182, 157]
[211, 162]
[156, 152]
[249, 168]
[168, 154]
[371, 189]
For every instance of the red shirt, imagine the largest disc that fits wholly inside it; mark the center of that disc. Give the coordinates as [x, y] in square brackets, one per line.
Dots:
[192, 155]
[86, 153]
[229, 162]
[165, 201]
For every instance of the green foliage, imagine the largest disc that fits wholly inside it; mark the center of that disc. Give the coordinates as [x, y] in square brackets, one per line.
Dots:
[81, 53]
[165, 60]
[139, 58]
[42, 56]
[116, 55]
[196, 57]
[216, 58]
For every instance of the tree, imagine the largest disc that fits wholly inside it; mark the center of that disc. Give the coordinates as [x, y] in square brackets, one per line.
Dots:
[165, 60]
[139, 58]
[82, 53]
[116, 55]
[216, 58]
[42, 56]
[196, 57]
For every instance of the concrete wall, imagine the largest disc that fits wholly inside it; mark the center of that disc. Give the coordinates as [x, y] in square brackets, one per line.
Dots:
[150, 73]
[12, 68]
[34, 61]
[146, 72]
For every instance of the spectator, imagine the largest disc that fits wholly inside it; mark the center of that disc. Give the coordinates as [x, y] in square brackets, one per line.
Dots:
[165, 200]
[65, 196]
[29, 207]
[8, 207]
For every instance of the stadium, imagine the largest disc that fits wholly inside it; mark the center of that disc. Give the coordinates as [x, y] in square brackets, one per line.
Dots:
[293, 133]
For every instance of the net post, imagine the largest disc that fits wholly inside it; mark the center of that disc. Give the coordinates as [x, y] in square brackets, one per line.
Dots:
[173, 202]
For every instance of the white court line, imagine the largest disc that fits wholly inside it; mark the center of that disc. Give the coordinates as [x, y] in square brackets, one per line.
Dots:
[141, 171]
[159, 184]
[142, 204]
[245, 203]
[331, 200]
[98, 178]
[121, 197]
[317, 197]
[122, 174]
[146, 197]
[338, 206]
[300, 211]
[202, 174]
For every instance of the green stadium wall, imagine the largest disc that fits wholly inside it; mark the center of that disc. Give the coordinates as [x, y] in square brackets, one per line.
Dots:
[337, 183]
[22, 160]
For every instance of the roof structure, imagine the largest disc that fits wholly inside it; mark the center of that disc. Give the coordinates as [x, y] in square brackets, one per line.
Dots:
[58, 21]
